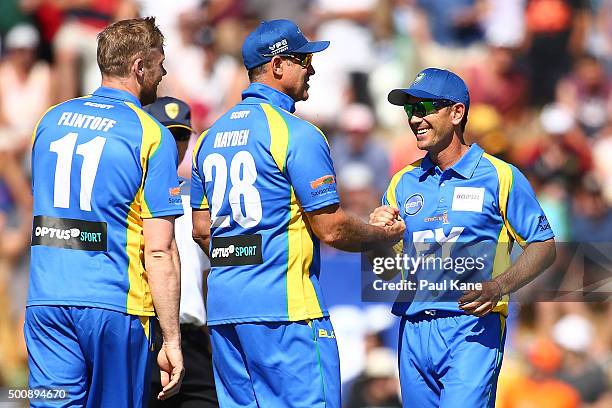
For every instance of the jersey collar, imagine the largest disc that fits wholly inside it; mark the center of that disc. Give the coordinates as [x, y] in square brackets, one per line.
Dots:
[114, 93]
[269, 94]
[466, 165]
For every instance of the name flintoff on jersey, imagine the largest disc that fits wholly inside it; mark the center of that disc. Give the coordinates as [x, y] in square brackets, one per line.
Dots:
[80, 120]
[232, 138]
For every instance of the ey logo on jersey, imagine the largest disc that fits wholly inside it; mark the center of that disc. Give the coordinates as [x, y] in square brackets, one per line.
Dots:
[423, 240]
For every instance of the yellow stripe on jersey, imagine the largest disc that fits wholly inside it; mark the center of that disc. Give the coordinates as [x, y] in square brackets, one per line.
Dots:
[502, 260]
[505, 177]
[194, 158]
[302, 301]
[279, 136]
[392, 197]
[139, 299]
[194, 162]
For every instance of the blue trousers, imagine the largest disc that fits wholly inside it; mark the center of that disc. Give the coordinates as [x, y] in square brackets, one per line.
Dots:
[100, 358]
[450, 359]
[276, 365]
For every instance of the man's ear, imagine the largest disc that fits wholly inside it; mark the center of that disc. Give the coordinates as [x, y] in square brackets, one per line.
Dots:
[277, 66]
[457, 114]
[138, 68]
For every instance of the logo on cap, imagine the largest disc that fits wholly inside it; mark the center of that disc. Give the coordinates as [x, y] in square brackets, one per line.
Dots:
[172, 110]
[419, 78]
[279, 46]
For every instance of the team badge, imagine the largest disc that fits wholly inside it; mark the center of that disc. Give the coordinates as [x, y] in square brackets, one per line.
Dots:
[413, 204]
[172, 110]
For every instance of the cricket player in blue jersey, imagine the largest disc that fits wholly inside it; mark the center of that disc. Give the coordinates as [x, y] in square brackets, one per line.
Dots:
[458, 204]
[264, 193]
[103, 257]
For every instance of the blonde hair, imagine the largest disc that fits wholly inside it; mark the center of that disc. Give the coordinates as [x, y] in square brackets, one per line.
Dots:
[122, 42]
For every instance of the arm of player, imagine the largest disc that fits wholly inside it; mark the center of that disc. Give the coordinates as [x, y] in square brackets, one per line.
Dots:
[384, 216]
[346, 232]
[201, 229]
[536, 257]
[163, 270]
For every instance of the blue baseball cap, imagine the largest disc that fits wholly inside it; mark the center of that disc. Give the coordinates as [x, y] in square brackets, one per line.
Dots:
[433, 83]
[276, 37]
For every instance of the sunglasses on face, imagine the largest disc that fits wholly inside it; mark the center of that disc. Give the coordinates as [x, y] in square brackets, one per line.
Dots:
[424, 108]
[304, 60]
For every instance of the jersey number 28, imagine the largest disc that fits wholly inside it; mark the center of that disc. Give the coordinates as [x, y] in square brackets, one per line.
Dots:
[240, 186]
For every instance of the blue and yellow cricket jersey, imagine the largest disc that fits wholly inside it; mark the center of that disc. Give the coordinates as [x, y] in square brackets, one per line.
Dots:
[462, 222]
[258, 169]
[100, 165]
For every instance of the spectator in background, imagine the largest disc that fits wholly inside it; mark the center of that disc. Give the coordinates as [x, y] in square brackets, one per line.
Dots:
[540, 388]
[15, 229]
[357, 189]
[208, 78]
[355, 144]
[574, 334]
[377, 386]
[12, 13]
[75, 42]
[587, 92]
[452, 28]
[591, 218]
[346, 24]
[562, 150]
[602, 151]
[25, 93]
[498, 81]
[555, 33]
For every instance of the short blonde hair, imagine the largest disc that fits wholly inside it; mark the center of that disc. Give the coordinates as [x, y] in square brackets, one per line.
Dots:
[121, 42]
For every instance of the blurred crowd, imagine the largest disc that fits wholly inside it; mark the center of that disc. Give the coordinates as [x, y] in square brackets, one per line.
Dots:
[540, 79]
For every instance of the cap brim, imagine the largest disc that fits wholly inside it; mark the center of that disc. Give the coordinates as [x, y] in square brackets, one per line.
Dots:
[174, 125]
[401, 97]
[312, 47]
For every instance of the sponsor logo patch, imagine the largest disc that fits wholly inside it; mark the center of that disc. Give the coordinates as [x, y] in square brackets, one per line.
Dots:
[468, 199]
[414, 204]
[321, 181]
[236, 251]
[69, 233]
[440, 217]
[175, 191]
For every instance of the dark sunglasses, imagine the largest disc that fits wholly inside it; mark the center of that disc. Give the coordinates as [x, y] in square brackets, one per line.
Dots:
[303, 59]
[424, 108]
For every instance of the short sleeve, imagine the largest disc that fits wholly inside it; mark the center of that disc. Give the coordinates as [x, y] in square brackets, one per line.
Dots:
[161, 190]
[198, 193]
[524, 215]
[310, 169]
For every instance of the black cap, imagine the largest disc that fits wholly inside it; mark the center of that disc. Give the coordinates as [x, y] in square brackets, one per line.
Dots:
[171, 112]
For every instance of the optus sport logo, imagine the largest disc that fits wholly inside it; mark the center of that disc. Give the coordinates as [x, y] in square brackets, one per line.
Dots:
[69, 233]
[236, 250]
